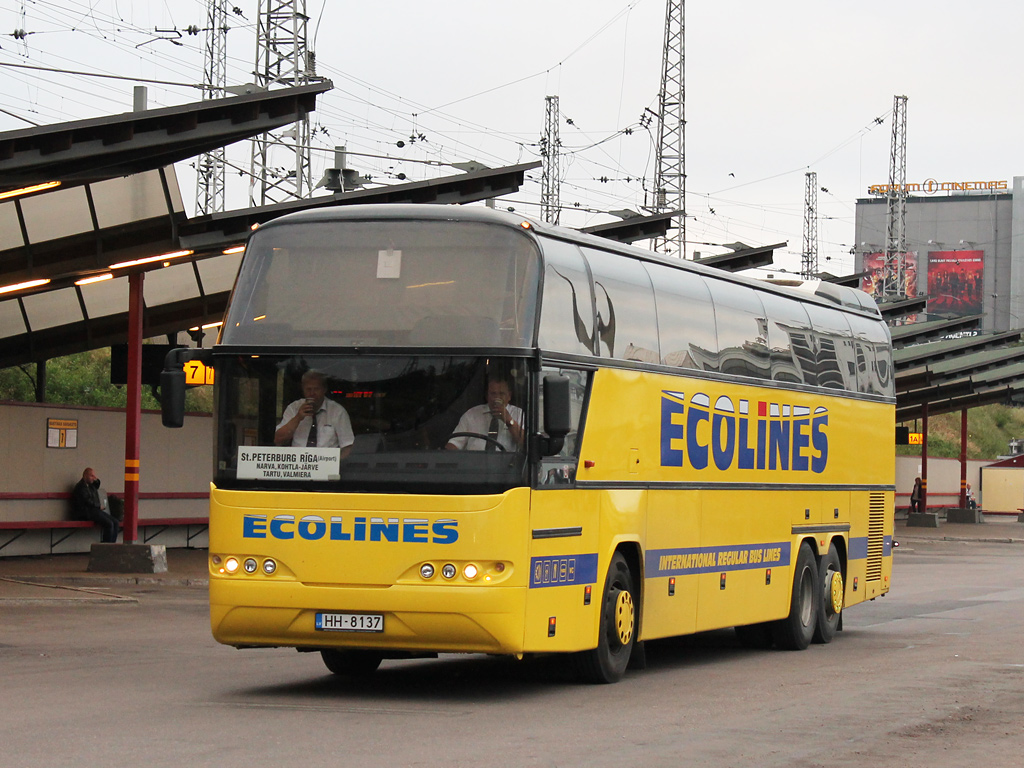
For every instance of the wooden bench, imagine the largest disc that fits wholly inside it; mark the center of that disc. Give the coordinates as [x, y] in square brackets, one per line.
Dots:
[61, 530]
[194, 526]
[55, 528]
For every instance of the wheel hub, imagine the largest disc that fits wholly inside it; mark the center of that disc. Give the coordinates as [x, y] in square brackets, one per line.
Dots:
[624, 617]
[835, 588]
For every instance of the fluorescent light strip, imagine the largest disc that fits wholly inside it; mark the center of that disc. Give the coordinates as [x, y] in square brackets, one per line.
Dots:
[151, 259]
[29, 190]
[94, 279]
[235, 249]
[23, 286]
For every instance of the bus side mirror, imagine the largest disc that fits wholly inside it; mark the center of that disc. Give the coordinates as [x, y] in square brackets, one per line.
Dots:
[173, 386]
[557, 412]
[172, 397]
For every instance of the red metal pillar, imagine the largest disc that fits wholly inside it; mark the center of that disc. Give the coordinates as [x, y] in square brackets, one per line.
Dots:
[924, 458]
[133, 411]
[963, 459]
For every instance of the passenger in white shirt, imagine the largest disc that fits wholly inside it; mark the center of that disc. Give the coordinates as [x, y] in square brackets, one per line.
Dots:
[496, 418]
[314, 421]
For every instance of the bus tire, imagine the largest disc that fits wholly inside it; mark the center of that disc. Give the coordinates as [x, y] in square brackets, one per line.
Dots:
[755, 636]
[617, 633]
[794, 632]
[832, 593]
[351, 663]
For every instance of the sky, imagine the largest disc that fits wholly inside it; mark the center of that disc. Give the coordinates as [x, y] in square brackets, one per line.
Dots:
[773, 91]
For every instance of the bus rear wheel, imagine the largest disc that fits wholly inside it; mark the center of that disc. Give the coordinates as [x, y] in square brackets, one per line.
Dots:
[794, 632]
[351, 663]
[617, 634]
[831, 590]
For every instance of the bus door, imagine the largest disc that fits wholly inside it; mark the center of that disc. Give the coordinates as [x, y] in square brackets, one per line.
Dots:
[563, 539]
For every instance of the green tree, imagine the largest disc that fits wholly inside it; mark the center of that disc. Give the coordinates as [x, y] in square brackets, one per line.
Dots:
[84, 379]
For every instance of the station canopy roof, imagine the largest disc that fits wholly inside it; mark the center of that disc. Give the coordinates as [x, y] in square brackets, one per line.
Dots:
[633, 228]
[81, 243]
[119, 145]
[744, 257]
[108, 204]
[955, 374]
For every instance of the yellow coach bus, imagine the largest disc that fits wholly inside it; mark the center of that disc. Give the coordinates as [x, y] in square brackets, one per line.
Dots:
[530, 440]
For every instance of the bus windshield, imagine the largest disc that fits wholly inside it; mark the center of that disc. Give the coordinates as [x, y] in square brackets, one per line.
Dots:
[384, 423]
[385, 284]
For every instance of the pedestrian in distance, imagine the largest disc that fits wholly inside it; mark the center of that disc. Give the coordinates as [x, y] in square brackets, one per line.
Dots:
[915, 497]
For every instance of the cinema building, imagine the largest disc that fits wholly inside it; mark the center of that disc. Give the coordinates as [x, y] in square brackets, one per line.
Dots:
[965, 247]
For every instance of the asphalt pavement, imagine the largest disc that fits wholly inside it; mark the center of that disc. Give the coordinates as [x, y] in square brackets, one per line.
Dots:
[67, 577]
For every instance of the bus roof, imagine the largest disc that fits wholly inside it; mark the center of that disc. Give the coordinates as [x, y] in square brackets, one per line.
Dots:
[816, 291]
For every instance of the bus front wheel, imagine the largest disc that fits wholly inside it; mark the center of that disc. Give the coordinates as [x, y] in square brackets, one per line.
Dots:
[351, 663]
[794, 632]
[617, 634]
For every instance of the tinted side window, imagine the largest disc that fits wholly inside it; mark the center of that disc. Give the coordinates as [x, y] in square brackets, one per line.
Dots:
[627, 325]
[686, 318]
[789, 340]
[874, 358]
[567, 309]
[742, 330]
[835, 356]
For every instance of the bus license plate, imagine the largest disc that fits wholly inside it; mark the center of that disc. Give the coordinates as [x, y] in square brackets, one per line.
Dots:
[350, 622]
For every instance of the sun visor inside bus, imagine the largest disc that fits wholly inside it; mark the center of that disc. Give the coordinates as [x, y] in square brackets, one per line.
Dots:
[260, 332]
[455, 331]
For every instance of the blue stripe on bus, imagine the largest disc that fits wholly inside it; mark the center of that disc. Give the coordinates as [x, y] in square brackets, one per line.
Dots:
[859, 547]
[563, 570]
[690, 560]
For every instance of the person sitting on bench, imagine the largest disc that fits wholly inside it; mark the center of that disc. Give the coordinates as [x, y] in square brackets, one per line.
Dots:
[87, 505]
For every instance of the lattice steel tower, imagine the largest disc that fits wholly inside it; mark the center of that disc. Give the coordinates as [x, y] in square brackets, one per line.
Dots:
[809, 259]
[550, 149]
[670, 170]
[894, 275]
[280, 159]
[210, 174]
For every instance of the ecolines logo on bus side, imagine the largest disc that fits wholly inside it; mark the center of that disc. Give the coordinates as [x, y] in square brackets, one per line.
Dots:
[314, 528]
[778, 436]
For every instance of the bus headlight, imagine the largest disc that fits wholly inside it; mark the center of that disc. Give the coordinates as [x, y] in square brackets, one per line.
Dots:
[427, 571]
[269, 566]
[470, 572]
[448, 571]
[249, 565]
[231, 564]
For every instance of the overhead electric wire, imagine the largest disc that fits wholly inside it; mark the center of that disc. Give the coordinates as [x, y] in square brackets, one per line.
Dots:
[113, 77]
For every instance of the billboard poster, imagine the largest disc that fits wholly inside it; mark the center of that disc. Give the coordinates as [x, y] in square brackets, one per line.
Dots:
[955, 282]
[874, 265]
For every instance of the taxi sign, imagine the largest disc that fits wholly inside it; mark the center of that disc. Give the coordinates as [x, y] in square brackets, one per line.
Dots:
[197, 373]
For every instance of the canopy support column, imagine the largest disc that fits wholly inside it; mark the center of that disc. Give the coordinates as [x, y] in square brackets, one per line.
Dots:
[133, 411]
[963, 459]
[924, 458]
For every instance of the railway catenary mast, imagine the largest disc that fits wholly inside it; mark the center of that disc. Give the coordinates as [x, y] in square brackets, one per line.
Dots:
[280, 159]
[809, 258]
[894, 273]
[670, 164]
[210, 174]
[550, 147]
